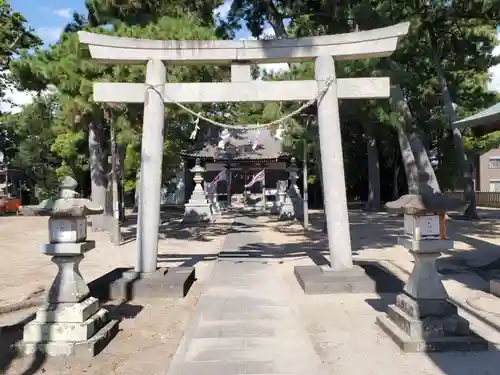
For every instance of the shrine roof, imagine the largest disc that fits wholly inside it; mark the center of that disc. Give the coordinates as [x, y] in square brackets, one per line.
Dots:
[486, 117]
[239, 147]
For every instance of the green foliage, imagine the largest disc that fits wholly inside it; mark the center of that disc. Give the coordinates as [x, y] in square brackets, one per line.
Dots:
[67, 66]
[32, 135]
[14, 35]
[51, 134]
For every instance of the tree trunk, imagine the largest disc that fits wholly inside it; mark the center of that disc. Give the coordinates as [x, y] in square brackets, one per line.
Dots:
[395, 178]
[409, 163]
[468, 183]
[98, 173]
[373, 201]
[418, 163]
[121, 172]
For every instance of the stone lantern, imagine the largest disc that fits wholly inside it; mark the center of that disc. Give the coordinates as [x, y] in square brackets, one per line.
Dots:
[423, 318]
[71, 322]
[197, 209]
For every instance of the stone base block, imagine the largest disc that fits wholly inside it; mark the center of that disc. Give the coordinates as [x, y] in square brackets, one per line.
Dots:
[72, 313]
[425, 246]
[83, 349]
[495, 287]
[318, 280]
[430, 333]
[165, 282]
[197, 213]
[65, 331]
[425, 307]
[286, 212]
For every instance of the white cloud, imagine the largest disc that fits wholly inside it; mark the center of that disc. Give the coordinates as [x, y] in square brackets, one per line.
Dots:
[14, 100]
[49, 34]
[64, 13]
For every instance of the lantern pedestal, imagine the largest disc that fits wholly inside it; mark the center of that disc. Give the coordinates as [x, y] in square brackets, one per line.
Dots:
[197, 210]
[423, 319]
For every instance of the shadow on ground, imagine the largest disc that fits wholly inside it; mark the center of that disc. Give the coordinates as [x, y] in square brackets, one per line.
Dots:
[171, 227]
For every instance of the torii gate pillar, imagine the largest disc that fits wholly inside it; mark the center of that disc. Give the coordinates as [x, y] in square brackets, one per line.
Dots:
[342, 276]
[148, 221]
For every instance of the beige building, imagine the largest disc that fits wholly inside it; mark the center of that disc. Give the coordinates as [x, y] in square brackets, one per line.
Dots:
[487, 171]
[487, 165]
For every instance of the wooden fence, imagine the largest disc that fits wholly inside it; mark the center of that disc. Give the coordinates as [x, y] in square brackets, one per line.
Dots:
[483, 198]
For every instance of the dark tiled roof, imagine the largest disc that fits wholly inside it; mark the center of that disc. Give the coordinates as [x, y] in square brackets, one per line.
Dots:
[239, 147]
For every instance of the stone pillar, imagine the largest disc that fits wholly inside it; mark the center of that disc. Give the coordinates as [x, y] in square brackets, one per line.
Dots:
[423, 319]
[197, 209]
[293, 189]
[341, 276]
[330, 140]
[71, 322]
[151, 168]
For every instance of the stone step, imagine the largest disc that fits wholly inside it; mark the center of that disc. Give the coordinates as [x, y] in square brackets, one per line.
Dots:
[235, 329]
[261, 314]
[274, 352]
[239, 300]
[240, 368]
[292, 345]
[249, 307]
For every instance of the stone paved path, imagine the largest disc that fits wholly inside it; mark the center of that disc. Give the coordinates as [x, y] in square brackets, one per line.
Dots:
[245, 322]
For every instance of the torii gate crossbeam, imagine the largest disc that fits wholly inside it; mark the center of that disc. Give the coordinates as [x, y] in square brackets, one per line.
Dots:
[324, 50]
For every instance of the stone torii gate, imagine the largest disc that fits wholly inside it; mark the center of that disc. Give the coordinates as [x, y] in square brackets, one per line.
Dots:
[155, 92]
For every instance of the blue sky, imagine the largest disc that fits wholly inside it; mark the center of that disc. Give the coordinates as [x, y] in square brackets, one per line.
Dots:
[48, 17]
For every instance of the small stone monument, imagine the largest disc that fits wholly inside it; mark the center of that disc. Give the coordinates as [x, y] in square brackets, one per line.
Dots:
[71, 322]
[213, 199]
[293, 189]
[423, 319]
[197, 209]
[287, 209]
[279, 197]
